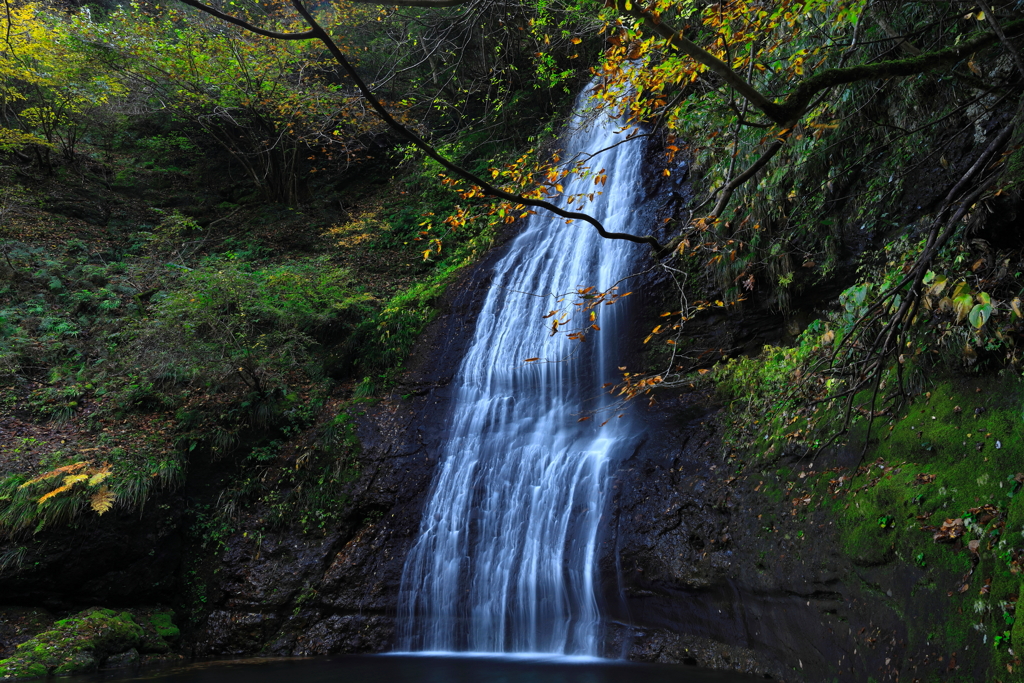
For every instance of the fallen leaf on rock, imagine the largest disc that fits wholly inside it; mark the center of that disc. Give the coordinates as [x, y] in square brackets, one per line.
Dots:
[984, 514]
[950, 530]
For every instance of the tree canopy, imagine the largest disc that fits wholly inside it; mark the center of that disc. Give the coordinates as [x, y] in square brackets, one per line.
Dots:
[771, 101]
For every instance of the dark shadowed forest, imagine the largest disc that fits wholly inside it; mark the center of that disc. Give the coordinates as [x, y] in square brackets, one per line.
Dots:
[244, 245]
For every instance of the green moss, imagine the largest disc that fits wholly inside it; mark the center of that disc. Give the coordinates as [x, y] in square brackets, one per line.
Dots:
[77, 663]
[79, 644]
[1017, 630]
[163, 623]
[953, 449]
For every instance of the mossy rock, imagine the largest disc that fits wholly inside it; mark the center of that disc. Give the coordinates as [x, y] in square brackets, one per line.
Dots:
[160, 631]
[18, 624]
[163, 624]
[77, 663]
[1017, 631]
[75, 645]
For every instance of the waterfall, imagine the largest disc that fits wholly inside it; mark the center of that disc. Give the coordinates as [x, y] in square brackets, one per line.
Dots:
[505, 557]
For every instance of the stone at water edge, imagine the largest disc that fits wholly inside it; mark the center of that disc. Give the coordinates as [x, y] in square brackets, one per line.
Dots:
[87, 640]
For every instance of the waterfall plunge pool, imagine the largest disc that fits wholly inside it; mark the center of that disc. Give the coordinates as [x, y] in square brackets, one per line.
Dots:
[422, 668]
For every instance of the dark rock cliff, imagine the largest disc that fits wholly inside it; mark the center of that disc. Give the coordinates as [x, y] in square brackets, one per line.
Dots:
[289, 594]
[687, 572]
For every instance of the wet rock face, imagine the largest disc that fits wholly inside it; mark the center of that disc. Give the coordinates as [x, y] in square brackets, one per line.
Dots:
[292, 594]
[699, 567]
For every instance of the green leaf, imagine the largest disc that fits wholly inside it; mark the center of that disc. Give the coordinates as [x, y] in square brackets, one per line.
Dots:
[980, 314]
[962, 306]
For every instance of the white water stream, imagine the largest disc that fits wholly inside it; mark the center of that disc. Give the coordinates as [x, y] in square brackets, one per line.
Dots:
[505, 558]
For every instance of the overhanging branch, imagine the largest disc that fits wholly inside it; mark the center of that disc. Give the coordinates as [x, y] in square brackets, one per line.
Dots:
[318, 33]
[796, 104]
[429, 4]
[682, 44]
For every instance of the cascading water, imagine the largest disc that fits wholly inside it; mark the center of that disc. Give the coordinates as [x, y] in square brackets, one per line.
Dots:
[504, 561]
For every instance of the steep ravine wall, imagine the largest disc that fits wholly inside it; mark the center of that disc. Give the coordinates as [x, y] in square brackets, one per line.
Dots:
[341, 594]
[688, 573]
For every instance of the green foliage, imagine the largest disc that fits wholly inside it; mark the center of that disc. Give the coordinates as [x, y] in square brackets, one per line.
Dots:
[765, 393]
[308, 489]
[50, 299]
[956, 328]
[229, 321]
[49, 83]
[163, 624]
[44, 501]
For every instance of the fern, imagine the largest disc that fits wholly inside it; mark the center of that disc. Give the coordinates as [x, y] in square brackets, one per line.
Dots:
[74, 467]
[69, 482]
[102, 500]
[74, 473]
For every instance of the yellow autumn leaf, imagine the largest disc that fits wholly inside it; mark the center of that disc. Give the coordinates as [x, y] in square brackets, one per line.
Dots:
[74, 467]
[99, 477]
[51, 494]
[102, 500]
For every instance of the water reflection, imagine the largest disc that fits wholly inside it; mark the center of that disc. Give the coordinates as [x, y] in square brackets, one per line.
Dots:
[422, 669]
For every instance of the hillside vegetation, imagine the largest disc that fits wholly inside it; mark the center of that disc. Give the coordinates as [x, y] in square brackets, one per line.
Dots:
[215, 254]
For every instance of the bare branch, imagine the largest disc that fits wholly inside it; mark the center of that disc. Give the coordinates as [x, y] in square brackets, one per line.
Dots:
[434, 4]
[797, 101]
[318, 33]
[762, 161]
[991, 17]
[305, 35]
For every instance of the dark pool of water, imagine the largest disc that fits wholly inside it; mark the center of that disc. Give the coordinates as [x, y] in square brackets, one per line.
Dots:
[421, 669]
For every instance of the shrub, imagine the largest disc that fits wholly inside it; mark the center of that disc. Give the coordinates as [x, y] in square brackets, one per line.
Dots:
[230, 323]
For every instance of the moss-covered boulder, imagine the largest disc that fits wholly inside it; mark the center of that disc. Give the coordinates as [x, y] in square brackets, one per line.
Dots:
[18, 624]
[83, 642]
[160, 632]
